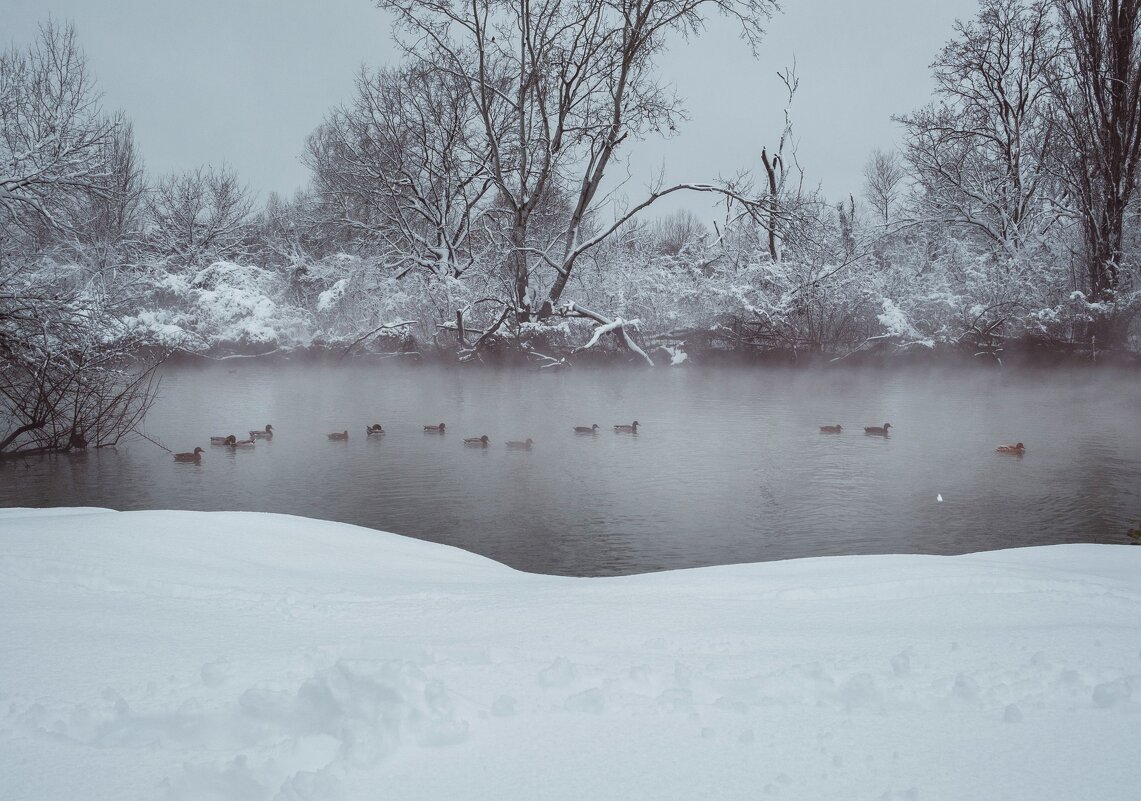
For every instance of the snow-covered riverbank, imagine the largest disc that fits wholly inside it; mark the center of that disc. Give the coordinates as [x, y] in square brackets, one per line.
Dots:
[182, 655]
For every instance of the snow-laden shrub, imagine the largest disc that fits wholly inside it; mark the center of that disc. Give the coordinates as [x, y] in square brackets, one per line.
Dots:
[898, 326]
[332, 296]
[243, 304]
[223, 305]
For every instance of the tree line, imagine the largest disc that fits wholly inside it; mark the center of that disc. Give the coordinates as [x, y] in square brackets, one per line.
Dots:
[461, 203]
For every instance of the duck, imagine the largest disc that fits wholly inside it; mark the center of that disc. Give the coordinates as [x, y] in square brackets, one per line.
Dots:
[240, 443]
[195, 456]
[266, 434]
[339, 435]
[435, 429]
[374, 429]
[586, 429]
[476, 442]
[630, 429]
[222, 440]
[836, 429]
[1018, 449]
[877, 430]
[515, 445]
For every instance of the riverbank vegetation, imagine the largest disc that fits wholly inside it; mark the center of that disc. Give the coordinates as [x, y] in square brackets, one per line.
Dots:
[462, 206]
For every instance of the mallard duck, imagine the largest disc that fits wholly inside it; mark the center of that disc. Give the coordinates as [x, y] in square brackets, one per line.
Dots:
[877, 431]
[374, 429]
[515, 445]
[226, 440]
[240, 443]
[476, 442]
[630, 429]
[196, 456]
[1018, 449]
[267, 434]
[339, 435]
[435, 429]
[586, 429]
[836, 429]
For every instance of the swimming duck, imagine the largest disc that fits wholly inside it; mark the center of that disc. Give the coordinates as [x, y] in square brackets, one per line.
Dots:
[435, 429]
[222, 440]
[240, 443]
[267, 434]
[339, 435]
[630, 429]
[375, 428]
[196, 456]
[586, 429]
[1018, 449]
[515, 445]
[476, 442]
[836, 429]
[878, 431]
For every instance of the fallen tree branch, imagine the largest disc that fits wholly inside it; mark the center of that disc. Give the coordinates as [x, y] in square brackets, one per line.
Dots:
[550, 362]
[617, 326]
[387, 326]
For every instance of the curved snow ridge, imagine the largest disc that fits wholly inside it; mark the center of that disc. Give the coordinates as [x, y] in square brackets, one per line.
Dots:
[244, 555]
[228, 551]
[1089, 571]
[999, 583]
[14, 512]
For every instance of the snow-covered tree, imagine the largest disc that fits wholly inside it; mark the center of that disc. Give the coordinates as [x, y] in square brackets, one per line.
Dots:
[70, 373]
[54, 138]
[982, 154]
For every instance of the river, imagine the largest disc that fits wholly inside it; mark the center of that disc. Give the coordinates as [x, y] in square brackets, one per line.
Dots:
[728, 464]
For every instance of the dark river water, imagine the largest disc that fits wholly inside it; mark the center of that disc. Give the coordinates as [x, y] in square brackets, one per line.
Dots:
[728, 465]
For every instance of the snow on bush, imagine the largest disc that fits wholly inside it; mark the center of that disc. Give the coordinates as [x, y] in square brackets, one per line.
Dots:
[332, 296]
[897, 326]
[240, 304]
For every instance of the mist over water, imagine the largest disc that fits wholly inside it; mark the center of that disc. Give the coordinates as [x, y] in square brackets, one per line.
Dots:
[728, 464]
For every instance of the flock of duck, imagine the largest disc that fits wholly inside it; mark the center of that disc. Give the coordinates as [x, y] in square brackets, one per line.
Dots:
[882, 431]
[376, 430]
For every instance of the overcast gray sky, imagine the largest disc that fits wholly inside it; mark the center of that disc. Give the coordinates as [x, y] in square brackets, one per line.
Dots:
[243, 82]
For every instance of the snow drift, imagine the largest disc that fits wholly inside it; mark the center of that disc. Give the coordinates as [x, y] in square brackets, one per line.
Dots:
[186, 655]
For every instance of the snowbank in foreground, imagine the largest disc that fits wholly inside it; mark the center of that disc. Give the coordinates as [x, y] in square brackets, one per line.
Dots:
[186, 655]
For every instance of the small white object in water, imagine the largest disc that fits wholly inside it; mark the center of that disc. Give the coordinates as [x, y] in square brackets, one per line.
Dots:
[939, 497]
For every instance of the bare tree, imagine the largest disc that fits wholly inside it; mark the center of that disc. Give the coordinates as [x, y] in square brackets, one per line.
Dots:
[199, 215]
[559, 86]
[402, 166]
[118, 214]
[1099, 90]
[883, 183]
[777, 167]
[70, 373]
[982, 154]
[672, 234]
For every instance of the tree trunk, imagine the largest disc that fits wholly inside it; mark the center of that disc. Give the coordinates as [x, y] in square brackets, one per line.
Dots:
[517, 270]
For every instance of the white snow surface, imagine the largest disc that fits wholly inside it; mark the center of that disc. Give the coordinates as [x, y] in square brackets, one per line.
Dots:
[225, 656]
